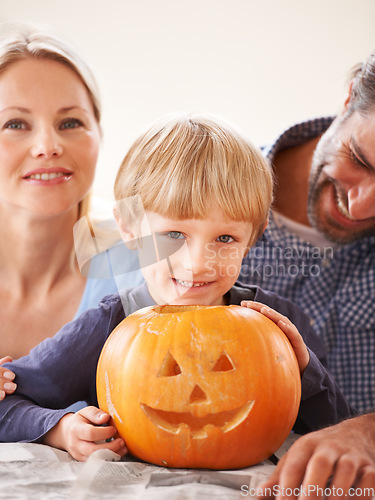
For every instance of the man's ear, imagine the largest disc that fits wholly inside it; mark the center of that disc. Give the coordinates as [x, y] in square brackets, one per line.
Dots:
[126, 231]
[347, 100]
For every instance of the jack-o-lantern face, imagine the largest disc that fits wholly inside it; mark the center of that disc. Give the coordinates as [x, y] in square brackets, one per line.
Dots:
[197, 386]
[196, 415]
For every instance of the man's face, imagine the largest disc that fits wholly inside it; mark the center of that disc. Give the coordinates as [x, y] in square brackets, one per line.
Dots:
[341, 202]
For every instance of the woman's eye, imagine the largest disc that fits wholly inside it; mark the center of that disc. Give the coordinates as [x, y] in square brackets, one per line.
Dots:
[225, 238]
[176, 235]
[71, 123]
[15, 125]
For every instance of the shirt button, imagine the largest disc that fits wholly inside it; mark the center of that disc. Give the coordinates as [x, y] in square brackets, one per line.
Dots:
[312, 322]
[326, 262]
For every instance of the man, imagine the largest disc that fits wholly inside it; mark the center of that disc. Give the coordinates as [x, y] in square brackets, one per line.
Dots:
[319, 251]
[319, 247]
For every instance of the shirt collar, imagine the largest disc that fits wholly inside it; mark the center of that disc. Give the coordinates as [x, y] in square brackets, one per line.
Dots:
[297, 134]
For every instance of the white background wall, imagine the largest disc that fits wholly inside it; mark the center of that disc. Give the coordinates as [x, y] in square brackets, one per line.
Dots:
[260, 64]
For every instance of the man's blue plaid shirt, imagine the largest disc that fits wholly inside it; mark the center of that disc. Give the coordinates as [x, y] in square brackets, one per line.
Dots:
[335, 286]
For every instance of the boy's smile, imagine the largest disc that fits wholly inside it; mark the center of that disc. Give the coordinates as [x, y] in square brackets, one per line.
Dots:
[198, 260]
[190, 284]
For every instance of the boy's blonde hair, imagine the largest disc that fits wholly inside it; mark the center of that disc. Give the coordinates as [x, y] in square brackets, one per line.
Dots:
[183, 165]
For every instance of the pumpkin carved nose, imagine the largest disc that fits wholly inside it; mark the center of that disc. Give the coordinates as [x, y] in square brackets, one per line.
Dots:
[198, 395]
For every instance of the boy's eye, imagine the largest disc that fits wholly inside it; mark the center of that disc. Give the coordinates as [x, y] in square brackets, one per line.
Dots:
[15, 125]
[225, 238]
[71, 123]
[176, 235]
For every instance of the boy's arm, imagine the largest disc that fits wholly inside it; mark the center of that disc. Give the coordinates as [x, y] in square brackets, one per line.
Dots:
[57, 373]
[82, 433]
[322, 402]
[290, 330]
[23, 420]
[78, 433]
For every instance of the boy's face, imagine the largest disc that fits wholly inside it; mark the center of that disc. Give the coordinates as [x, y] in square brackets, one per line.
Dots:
[198, 259]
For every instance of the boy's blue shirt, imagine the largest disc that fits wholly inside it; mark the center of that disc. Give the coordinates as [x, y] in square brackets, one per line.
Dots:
[62, 370]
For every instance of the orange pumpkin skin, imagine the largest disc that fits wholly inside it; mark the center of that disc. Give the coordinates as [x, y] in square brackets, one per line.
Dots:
[213, 387]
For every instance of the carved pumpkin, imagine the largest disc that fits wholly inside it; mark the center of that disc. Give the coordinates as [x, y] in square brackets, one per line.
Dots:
[199, 386]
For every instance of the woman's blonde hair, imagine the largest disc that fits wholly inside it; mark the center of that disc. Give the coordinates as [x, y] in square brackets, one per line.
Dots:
[19, 41]
[184, 164]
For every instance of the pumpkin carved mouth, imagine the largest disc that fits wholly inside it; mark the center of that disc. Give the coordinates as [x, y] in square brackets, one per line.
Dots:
[199, 427]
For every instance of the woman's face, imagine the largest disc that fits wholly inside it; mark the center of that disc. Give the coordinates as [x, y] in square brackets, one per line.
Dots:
[49, 138]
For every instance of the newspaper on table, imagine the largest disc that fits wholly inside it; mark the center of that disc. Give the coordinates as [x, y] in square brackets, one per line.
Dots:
[34, 471]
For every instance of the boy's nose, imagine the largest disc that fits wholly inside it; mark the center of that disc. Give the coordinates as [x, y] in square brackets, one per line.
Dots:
[195, 259]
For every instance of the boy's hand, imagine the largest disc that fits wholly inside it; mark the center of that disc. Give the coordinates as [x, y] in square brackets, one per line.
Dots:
[6, 377]
[82, 433]
[287, 327]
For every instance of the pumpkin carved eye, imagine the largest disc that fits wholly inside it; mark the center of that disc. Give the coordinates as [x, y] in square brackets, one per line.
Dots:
[169, 367]
[223, 364]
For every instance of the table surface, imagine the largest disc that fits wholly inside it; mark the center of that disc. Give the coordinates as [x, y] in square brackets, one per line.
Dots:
[35, 471]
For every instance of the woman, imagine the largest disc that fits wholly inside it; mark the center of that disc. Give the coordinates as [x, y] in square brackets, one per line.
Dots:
[49, 144]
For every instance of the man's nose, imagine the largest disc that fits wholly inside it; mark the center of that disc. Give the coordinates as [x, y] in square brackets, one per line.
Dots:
[361, 200]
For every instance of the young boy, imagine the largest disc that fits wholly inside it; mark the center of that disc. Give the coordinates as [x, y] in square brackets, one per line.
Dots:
[201, 193]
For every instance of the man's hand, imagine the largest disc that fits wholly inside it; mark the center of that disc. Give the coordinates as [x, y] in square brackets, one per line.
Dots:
[6, 378]
[82, 433]
[337, 458]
